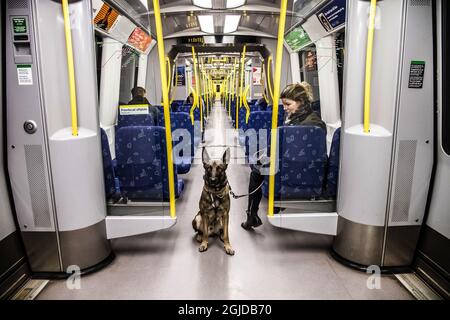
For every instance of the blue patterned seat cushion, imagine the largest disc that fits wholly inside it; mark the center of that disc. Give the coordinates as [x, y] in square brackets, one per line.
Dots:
[135, 120]
[108, 168]
[142, 163]
[302, 163]
[333, 164]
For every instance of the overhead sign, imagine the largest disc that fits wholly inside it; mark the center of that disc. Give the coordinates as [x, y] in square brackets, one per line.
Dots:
[133, 109]
[416, 72]
[332, 16]
[189, 40]
[181, 76]
[297, 38]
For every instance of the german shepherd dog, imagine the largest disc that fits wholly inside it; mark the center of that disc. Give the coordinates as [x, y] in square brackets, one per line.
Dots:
[213, 217]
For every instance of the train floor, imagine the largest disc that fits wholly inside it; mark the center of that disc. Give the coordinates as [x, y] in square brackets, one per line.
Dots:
[269, 263]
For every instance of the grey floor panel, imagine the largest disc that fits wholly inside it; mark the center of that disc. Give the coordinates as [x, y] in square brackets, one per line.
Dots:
[270, 263]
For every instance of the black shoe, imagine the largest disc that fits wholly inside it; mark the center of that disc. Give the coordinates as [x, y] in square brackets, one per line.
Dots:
[247, 225]
[258, 222]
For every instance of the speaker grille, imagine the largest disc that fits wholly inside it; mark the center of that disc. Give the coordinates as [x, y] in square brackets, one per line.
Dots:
[420, 3]
[38, 187]
[404, 179]
[18, 4]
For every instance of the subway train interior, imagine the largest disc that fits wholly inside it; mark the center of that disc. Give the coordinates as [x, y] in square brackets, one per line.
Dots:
[225, 150]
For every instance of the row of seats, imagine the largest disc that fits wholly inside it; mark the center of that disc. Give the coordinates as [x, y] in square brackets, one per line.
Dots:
[305, 171]
[140, 170]
[178, 120]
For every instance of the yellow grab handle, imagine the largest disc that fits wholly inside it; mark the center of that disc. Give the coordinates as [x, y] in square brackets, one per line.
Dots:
[247, 115]
[269, 63]
[70, 68]
[369, 54]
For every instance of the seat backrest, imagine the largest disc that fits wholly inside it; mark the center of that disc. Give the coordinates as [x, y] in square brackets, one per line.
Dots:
[108, 169]
[182, 120]
[333, 164]
[303, 162]
[242, 115]
[135, 120]
[142, 163]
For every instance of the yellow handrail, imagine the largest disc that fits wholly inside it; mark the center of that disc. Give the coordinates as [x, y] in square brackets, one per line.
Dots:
[70, 67]
[264, 83]
[197, 87]
[247, 115]
[269, 63]
[168, 73]
[162, 67]
[172, 96]
[194, 105]
[276, 97]
[241, 85]
[369, 54]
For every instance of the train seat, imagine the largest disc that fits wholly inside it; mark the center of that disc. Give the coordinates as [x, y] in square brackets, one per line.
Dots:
[112, 188]
[142, 164]
[135, 120]
[333, 165]
[258, 120]
[302, 163]
[182, 120]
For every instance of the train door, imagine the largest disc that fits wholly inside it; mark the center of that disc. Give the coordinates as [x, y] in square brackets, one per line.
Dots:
[432, 260]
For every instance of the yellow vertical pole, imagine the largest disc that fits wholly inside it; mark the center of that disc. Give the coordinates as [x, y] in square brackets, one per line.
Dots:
[165, 92]
[276, 97]
[197, 87]
[240, 86]
[70, 68]
[369, 53]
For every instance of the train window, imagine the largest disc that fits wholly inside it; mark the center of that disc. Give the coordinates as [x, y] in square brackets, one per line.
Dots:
[340, 53]
[130, 59]
[98, 54]
[445, 76]
[309, 70]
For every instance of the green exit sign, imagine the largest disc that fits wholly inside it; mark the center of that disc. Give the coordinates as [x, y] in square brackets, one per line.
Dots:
[19, 25]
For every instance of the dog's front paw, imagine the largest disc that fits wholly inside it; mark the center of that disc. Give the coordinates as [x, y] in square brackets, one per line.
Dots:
[203, 247]
[229, 250]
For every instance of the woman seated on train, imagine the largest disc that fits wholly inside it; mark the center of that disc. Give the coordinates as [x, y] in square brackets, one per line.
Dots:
[138, 94]
[296, 99]
[190, 99]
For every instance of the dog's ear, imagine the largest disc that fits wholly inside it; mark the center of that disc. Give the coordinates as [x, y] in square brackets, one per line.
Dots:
[226, 156]
[205, 156]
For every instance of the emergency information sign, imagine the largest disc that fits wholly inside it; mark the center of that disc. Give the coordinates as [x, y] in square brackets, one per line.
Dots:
[24, 75]
[416, 73]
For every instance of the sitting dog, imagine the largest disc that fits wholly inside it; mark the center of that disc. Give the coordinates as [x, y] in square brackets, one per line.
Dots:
[213, 217]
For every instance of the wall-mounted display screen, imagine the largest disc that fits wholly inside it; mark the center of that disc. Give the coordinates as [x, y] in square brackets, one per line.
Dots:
[297, 38]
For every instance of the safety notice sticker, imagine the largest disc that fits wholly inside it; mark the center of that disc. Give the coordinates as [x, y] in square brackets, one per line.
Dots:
[416, 73]
[24, 74]
[134, 109]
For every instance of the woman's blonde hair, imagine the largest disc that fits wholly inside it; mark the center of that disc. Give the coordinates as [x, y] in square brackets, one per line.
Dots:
[301, 92]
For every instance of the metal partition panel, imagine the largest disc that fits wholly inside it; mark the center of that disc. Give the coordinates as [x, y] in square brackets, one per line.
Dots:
[28, 159]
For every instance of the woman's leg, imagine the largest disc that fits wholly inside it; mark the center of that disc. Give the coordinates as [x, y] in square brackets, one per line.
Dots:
[253, 201]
